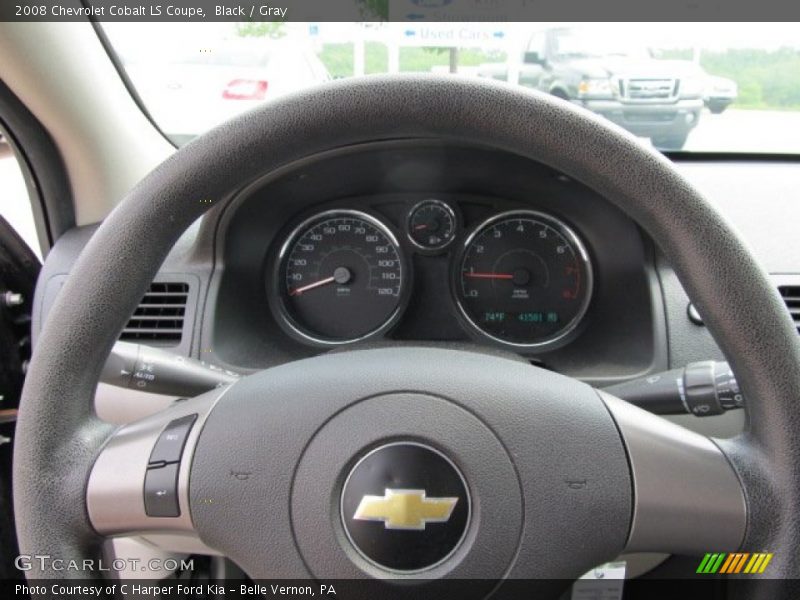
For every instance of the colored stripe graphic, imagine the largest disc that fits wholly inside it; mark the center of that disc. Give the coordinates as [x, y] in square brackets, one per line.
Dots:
[727, 564]
[715, 565]
[767, 558]
[735, 562]
[703, 564]
[711, 562]
[755, 563]
[731, 564]
[740, 563]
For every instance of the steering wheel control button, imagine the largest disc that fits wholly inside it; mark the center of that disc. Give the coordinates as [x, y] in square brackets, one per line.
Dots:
[405, 507]
[161, 491]
[169, 446]
[161, 479]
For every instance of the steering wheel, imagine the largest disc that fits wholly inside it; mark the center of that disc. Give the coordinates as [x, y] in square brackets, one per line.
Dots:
[411, 463]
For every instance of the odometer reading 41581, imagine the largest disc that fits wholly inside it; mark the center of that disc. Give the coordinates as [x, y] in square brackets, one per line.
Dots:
[524, 278]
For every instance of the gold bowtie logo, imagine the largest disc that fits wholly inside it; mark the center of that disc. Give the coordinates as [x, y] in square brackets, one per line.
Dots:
[405, 509]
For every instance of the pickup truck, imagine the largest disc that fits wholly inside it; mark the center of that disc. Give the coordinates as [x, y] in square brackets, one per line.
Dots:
[620, 80]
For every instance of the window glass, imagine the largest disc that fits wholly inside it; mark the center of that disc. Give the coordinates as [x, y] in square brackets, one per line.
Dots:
[705, 87]
[15, 206]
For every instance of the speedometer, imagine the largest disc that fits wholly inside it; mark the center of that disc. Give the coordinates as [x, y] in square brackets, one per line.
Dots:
[340, 278]
[524, 279]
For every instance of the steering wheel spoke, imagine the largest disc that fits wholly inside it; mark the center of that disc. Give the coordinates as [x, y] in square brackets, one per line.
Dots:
[139, 481]
[687, 497]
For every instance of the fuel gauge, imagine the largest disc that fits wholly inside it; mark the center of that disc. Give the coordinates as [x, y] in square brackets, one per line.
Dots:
[431, 225]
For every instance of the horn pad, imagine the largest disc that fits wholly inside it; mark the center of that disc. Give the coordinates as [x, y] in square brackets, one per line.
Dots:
[538, 455]
[405, 507]
[399, 474]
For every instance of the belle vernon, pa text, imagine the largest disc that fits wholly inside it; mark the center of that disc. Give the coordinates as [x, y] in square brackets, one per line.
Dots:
[178, 591]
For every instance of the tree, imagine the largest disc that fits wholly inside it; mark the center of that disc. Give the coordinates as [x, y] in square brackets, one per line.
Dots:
[270, 29]
[374, 10]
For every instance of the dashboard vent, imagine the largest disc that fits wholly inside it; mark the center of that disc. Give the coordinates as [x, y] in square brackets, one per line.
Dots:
[159, 317]
[791, 296]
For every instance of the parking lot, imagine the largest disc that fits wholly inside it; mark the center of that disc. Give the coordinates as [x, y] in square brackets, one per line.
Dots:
[747, 131]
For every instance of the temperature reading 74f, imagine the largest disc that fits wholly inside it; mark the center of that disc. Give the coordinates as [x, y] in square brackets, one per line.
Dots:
[524, 279]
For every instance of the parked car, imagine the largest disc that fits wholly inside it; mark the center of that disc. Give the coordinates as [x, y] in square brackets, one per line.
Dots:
[720, 93]
[618, 79]
[198, 89]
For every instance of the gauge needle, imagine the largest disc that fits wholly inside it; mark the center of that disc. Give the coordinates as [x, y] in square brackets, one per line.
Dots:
[341, 275]
[475, 275]
[420, 227]
[311, 286]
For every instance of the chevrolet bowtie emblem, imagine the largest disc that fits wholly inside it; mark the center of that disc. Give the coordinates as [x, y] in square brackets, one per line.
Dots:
[405, 509]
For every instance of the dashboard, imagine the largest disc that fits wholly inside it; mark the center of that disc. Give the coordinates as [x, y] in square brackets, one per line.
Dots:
[241, 265]
[417, 241]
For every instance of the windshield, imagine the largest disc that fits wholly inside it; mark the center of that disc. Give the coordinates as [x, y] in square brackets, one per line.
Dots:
[693, 87]
[571, 43]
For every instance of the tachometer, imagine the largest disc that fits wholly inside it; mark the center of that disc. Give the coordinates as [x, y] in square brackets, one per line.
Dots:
[341, 278]
[524, 278]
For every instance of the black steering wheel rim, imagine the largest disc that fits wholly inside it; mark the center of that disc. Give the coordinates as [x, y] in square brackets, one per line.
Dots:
[58, 434]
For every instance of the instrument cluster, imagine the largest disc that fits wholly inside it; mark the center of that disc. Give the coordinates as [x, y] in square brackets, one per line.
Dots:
[518, 278]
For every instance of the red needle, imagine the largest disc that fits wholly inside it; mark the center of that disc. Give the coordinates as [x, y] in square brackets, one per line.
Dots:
[422, 226]
[311, 286]
[475, 275]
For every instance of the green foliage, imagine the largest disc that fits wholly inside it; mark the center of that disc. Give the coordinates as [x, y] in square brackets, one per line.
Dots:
[338, 58]
[270, 29]
[424, 59]
[767, 79]
[750, 94]
[376, 58]
[374, 10]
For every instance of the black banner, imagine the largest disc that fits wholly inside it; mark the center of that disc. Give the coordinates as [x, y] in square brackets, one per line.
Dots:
[411, 11]
[707, 587]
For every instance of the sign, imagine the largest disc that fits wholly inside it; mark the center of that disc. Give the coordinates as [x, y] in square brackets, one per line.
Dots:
[448, 35]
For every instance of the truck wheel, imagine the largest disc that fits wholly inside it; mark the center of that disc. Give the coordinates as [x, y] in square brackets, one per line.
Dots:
[670, 142]
[717, 108]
